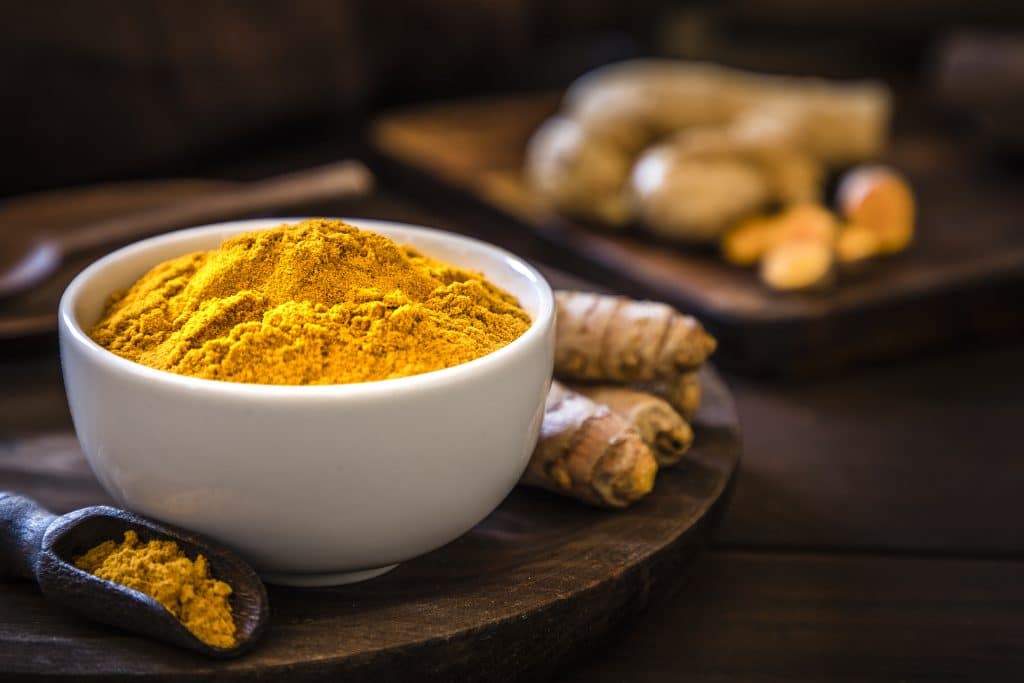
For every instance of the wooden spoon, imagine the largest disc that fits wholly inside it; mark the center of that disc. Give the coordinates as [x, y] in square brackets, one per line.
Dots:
[44, 256]
[40, 546]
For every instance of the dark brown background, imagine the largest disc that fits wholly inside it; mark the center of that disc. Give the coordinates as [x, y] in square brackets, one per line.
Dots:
[107, 89]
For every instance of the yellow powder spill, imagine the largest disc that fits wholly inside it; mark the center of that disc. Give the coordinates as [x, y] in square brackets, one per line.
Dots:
[162, 571]
[318, 302]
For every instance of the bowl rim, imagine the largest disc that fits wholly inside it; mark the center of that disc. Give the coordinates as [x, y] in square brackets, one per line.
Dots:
[72, 331]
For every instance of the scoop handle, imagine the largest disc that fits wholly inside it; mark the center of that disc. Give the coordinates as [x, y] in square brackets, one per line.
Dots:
[23, 522]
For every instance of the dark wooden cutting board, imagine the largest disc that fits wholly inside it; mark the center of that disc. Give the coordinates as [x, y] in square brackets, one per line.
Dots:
[963, 277]
[537, 583]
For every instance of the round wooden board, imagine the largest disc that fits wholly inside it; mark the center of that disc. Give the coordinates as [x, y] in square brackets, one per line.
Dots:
[538, 582]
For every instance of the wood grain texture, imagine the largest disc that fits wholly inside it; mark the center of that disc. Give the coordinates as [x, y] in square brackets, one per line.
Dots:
[961, 277]
[920, 456]
[770, 617]
[537, 582]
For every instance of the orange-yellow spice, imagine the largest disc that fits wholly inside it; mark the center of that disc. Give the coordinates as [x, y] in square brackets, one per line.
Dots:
[318, 302]
[161, 570]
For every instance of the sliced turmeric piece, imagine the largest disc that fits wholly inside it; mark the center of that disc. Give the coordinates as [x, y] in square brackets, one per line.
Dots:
[746, 243]
[856, 244]
[806, 222]
[879, 199]
[798, 265]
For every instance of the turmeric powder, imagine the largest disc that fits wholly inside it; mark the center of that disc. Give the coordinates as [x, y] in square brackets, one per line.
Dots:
[161, 570]
[318, 302]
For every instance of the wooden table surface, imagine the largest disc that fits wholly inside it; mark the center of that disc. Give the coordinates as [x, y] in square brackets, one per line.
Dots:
[876, 530]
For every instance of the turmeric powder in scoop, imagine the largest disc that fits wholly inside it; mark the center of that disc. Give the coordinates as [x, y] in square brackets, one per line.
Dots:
[317, 302]
[161, 570]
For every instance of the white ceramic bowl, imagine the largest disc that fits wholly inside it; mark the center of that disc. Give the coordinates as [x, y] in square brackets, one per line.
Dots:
[314, 485]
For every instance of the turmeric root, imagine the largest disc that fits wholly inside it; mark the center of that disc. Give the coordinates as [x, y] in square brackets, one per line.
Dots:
[748, 242]
[578, 173]
[664, 430]
[588, 452]
[798, 265]
[702, 180]
[615, 339]
[692, 198]
[792, 176]
[683, 392]
[784, 133]
[745, 244]
[840, 122]
[856, 244]
[879, 199]
[807, 222]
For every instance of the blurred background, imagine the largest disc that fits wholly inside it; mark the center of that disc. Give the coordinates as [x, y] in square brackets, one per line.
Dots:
[103, 90]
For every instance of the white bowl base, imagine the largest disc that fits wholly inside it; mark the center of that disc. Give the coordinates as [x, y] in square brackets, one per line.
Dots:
[328, 579]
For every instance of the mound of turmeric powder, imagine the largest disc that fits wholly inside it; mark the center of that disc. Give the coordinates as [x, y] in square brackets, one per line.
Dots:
[161, 570]
[317, 302]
